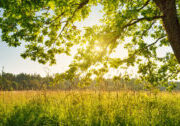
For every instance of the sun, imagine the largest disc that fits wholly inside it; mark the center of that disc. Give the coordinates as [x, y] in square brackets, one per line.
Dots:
[97, 48]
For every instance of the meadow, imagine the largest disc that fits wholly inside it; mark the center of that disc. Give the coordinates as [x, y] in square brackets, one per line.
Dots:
[89, 108]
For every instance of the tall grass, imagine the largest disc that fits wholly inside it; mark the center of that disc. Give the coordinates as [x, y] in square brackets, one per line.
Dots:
[88, 108]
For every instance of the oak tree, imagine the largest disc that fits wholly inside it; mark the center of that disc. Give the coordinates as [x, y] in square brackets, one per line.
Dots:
[48, 27]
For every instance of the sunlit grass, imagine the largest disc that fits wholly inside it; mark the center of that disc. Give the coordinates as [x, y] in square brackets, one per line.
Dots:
[90, 108]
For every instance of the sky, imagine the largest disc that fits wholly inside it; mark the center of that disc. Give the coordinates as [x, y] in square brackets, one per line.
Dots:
[12, 62]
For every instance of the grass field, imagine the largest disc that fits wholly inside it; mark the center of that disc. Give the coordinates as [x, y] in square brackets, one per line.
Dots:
[89, 108]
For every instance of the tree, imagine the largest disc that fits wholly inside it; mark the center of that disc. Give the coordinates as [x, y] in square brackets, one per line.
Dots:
[47, 28]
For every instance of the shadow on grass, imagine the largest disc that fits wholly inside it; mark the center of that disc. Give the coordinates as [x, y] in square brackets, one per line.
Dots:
[31, 114]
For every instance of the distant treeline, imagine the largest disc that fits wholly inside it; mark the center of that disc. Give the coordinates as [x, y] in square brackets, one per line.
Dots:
[9, 81]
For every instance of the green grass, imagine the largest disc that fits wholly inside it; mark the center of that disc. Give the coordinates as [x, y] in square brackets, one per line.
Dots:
[88, 108]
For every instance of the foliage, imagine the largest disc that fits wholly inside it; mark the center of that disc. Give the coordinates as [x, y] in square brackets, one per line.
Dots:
[47, 28]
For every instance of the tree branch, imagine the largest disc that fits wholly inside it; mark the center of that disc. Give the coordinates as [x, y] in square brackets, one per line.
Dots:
[141, 19]
[155, 42]
[140, 50]
[148, 29]
[81, 5]
[147, 2]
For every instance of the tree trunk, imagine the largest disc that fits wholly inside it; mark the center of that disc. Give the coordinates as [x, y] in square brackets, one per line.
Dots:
[171, 24]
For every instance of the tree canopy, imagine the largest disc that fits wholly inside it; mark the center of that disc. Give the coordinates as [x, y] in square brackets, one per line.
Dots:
[47, 28]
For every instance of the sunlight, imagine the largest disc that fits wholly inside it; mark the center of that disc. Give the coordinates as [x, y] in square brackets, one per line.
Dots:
[120, 52]
[97, 48]
[89, 62]
[63, 60]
